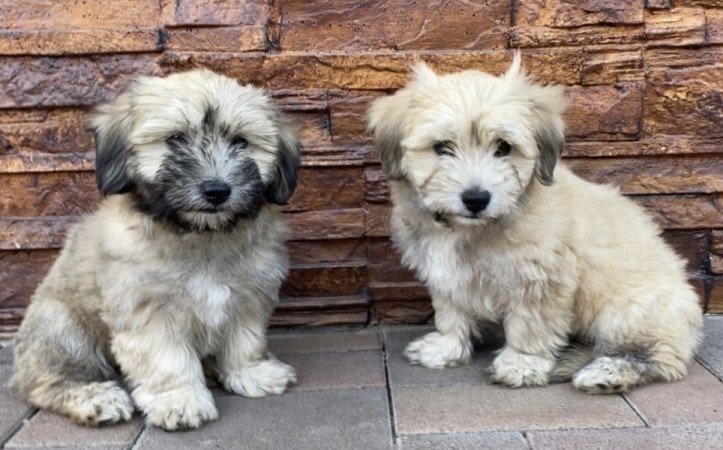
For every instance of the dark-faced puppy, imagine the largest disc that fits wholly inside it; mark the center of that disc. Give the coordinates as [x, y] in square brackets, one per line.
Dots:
[183, 259]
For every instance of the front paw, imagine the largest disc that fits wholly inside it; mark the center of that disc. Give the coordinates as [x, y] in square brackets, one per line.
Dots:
[181, 410]
[268, 376]
[436, 351]
[516, 369]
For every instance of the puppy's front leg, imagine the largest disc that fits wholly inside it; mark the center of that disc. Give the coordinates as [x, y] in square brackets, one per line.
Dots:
[534, 330]
[450, 345]
[245, 368]
[165, 373]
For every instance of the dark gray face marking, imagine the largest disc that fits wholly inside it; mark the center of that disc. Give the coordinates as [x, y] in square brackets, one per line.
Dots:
[177, 191]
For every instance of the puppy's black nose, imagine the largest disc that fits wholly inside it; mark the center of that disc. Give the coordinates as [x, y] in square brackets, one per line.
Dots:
[215, 192]
[475, 200]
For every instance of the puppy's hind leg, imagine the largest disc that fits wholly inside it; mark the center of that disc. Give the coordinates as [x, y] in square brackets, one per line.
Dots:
[450, 345]
[60, 366]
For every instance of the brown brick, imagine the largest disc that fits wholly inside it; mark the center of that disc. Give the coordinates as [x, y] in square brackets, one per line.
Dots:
[605, 65]
[34, 232]
[328, 188]
[398, 25]
[604, 112]
[588, 35]
[675, 58]
[400, 303]
[44, 131]
[369, 70]
[20, 273]
[385, 264]
[317, 225]
[714, 26]
[715, 303]
[80, 14]
[48, 194]
[74, 41]
[658, 145]
[680, 212]
[657, 4]
[215, 39]
[321, 311]
[691, 245]
[378, 220]
[43, 162]
[655, 175]
[45, 81]
[213, 12]
[572, 13]
[684, 101]
[376, 189]
[675, 27]
[348, 116]
[322, 279]
[332, 250]
[716, 257]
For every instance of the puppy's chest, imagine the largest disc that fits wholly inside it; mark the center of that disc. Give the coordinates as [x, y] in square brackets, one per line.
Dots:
[209, 296]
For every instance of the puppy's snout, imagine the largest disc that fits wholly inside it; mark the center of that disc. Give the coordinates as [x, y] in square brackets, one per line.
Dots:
[475, 200]
[215, 192]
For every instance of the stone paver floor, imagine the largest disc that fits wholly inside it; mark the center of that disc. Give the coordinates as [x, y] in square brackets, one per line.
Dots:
[355, 390]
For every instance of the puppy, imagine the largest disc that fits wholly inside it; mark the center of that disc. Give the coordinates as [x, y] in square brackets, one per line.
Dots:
[499, 231]
[183, 259]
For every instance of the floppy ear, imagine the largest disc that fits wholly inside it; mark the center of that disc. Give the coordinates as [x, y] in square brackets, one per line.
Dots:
[385, 120]
[111, 125]
[550, 133]
[283, 182]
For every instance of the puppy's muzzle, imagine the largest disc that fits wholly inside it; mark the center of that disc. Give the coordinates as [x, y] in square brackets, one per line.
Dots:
[215, 192]
[476, 199]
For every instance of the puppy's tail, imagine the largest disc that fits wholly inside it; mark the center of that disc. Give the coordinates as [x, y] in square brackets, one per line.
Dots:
[571, 359]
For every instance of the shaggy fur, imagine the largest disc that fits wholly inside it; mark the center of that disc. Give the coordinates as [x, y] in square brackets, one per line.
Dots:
[499, 231]
[183, 260]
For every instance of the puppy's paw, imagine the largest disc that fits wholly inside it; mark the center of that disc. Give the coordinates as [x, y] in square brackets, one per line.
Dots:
[268, 376]
[606, 376]
[436, 351]
[516, 369]
[181, 410]
[100, 404]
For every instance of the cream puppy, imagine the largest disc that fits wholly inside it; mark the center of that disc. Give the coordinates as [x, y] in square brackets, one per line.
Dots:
[499, 231]
[182, 261]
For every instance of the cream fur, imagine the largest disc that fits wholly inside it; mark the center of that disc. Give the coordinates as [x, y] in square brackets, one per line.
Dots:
[549, 260]
[133, 292]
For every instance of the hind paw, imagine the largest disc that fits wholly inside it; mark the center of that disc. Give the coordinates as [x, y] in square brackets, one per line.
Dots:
[605, 376]
[102, 404]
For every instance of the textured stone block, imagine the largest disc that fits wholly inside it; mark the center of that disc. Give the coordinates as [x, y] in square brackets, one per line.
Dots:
[696, 437]
[695, 399]
[28, 82]
[327, 224]
[496, 408]
[335, 341]
[46, 429]
[675, 27]
[397, 25]
[79, 14]
[464, 441]
[571, 13]
[714, 26]
[214, 12]
[52, 194]
[369, 70]
[604, 112]
[657, 145]
[710, 353]
[343, 278]
[605, 65]
[32, 132]
[654, 175]
[348, 116]
[319, 419]
[715, 301]
[337, 370]
[217, 39]
[676, 212]
[403, 374]
[328, 188]
[335, 250]
[74, 41]
[685, 97]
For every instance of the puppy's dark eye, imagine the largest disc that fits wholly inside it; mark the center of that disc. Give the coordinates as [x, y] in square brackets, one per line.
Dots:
[239, 142]
[176, 139]
[443, 148]
[503, 149]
